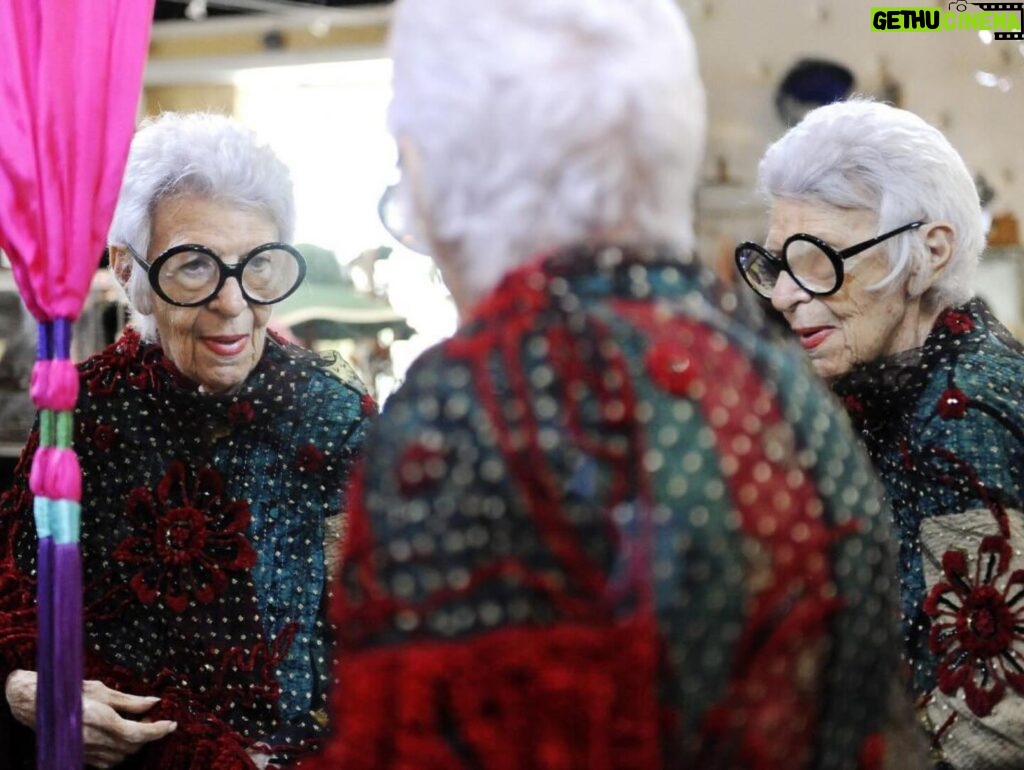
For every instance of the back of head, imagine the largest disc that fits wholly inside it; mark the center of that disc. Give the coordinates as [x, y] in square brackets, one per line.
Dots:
[539, 124]
[863, 154]
[194, 153]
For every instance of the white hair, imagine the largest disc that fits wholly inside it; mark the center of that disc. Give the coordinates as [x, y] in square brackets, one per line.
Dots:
[867, 155]
[539, 124]
[193, 153]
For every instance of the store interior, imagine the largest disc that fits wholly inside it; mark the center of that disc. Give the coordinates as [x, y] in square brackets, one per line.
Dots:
[312, 79]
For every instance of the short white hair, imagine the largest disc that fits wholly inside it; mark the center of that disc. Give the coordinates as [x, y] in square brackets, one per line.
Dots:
[867, 155]
[540, 124]
[193, 153]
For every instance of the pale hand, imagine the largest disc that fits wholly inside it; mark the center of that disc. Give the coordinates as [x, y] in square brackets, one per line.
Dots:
[108, 737]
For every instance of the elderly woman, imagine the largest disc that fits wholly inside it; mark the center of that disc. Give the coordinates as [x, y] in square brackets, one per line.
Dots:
[874, 239]
[213, 458]
[606, 524]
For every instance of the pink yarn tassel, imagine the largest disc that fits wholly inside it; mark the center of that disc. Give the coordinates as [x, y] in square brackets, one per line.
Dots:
[62, 386]
[63, 479]
[40, 382]
[40, 468]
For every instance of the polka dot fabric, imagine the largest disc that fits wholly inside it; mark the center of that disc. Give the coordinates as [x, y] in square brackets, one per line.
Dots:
[944, 424]
[607, 525]
[205, 520]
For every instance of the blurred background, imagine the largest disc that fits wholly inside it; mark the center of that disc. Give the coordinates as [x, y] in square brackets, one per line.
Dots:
[312, 78]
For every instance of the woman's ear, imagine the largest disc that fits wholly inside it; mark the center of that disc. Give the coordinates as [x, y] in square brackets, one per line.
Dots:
[120, 264]
[939, 240]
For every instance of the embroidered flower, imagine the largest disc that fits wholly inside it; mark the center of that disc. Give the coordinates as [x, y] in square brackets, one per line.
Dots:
[671, 367]
[368, 406]
[952, 404]
[188, 536]
[957, 322]
[104, 372]
[241, 413]
[421, 465]
[309, 459]
[128, 361]
[978, 625]
[854, 407]
[103, 437]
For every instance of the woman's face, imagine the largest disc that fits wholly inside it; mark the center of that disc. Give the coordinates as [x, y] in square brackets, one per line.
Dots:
[217, 344]
[853, 325]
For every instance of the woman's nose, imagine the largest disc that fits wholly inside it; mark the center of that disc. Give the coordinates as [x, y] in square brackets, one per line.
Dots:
[229, 300]
[787, 293]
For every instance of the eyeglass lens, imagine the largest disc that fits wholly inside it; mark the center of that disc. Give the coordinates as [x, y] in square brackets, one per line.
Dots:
[193, 276]
[760, 272]
[810, 266]
[391, 210]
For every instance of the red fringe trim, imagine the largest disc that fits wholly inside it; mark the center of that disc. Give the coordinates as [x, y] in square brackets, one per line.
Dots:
[563, 698]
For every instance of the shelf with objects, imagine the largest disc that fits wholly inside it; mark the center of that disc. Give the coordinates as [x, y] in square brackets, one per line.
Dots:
[1000, 279]
[101, 319]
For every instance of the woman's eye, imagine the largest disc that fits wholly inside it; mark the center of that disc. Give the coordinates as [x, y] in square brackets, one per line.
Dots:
[196, 266]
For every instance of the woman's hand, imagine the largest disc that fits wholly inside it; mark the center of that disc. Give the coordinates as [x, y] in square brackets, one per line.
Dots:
[108, 737]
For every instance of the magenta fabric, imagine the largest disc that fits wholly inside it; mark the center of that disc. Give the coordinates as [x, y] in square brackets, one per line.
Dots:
[70, 75]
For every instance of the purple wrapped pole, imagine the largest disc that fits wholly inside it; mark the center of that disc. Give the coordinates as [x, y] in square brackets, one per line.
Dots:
[65, 512]
[45, 754]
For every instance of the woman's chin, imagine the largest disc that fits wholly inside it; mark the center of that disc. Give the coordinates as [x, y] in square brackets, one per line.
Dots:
[828, 368]
[223, 382]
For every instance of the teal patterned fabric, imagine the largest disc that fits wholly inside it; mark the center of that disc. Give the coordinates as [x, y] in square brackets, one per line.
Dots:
[944, 425]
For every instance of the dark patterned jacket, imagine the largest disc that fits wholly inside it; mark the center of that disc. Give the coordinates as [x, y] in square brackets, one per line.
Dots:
[204, 525]
[608, 525]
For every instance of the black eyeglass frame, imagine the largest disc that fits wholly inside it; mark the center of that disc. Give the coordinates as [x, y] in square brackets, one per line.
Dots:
[837, 258]
[225, 270]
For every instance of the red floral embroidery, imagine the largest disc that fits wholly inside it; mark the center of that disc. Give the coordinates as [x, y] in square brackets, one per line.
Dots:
[854, 408]
[530, 698]
[420, 466]
[957, 322]
[369, 406]
[103, 437]
[17, 619]
[247, 675]
[188, 537]
[127, 362]
[309, 459]
[241, 413]
[671, 367]
[952, 404]
[977, 624]
[104, 372]
[872, 753]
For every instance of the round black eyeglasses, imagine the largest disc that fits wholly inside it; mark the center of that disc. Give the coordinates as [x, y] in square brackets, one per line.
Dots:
[191, 274]
[816, 267]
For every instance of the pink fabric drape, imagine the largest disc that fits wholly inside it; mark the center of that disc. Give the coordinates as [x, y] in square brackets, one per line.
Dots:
[70, 74]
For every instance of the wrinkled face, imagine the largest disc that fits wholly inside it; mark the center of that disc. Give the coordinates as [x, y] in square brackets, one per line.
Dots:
[853, 325]
[217, 344]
